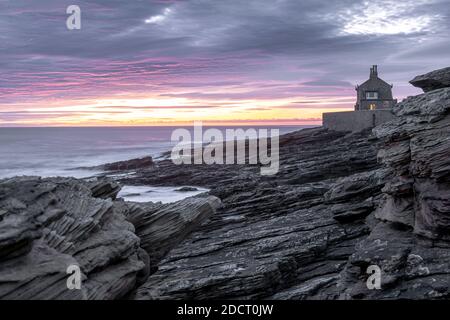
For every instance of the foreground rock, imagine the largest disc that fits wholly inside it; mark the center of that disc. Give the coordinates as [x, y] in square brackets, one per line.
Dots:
[49, 225]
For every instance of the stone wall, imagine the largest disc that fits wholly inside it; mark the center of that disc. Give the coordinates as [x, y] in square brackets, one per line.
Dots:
[379, 104]
[356, 120]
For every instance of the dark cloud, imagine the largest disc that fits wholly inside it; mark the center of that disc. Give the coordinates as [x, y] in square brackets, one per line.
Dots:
[327, 83]
[154, 46]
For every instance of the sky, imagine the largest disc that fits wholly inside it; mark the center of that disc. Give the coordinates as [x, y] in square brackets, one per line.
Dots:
[170, 62]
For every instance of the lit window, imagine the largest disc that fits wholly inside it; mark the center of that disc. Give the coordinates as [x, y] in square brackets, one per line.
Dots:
[372, 106]
[371, 95]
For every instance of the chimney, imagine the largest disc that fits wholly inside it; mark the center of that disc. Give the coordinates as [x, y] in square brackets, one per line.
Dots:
[374, 71]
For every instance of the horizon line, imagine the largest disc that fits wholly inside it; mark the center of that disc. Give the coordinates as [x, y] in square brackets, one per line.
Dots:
[161, 126]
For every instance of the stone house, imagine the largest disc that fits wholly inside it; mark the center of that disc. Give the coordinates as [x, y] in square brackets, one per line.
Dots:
[374, 94]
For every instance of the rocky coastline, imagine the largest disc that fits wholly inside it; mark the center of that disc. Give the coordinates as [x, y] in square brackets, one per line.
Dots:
[340, 203]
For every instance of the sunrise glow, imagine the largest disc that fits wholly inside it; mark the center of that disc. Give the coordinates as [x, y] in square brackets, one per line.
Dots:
[173, 62]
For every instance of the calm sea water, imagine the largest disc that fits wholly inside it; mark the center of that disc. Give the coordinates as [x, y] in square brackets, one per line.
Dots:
[58, 151]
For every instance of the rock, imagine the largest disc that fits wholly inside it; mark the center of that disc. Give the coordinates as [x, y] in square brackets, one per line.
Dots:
[437, 79]
[186, 189]
[274, 236]
[354, 197]
[143, 275]
[48, 225]
[140, 163]
[162, 226]
[419, 157]
[424, 109]
[411, 268]
[39, 274]
[104, 188]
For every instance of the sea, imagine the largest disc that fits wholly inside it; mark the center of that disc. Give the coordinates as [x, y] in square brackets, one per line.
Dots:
[67, 151]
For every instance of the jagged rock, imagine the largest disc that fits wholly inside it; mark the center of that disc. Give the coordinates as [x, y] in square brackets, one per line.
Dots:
[162, 226]
[419, 156]
[48, 225]
[186, 189]
[39, 274]
[133, 164]
[104, 188]
[422, 110]
[273, 234]
[352, 197]
[433, 80]
[143, 274]
[411, 268]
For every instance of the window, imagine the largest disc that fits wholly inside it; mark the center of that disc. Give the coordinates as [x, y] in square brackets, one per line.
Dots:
[371, 95]
[372, 106]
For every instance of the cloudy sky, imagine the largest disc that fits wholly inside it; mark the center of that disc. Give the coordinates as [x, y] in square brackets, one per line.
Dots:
[153, 62]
